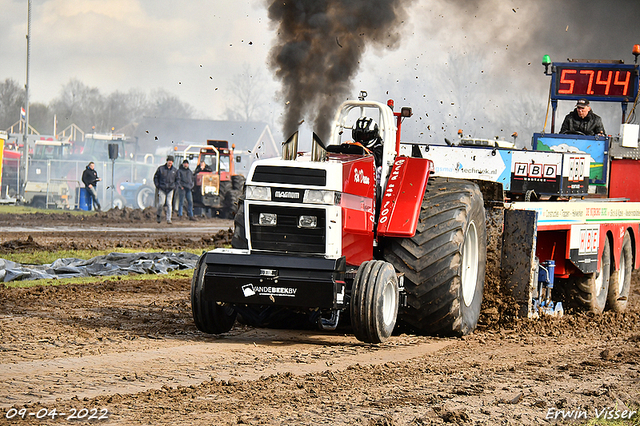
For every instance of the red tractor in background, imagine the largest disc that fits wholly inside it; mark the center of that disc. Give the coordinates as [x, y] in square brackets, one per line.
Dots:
[217, 190]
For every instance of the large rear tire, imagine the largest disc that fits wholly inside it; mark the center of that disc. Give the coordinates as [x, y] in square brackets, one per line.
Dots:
[444, 262]
[620, 282]
[237, 182]
[374, 301]
[225, 186]
[231, 204]
[208, 316]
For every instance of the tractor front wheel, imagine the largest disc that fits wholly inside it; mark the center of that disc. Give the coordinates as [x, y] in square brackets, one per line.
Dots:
[208, 316]
[374, 301]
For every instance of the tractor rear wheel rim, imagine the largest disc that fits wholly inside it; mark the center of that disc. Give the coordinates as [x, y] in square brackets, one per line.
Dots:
[469, 275]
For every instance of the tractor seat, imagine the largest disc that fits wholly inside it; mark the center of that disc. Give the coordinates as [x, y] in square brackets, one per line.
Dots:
[348, 148]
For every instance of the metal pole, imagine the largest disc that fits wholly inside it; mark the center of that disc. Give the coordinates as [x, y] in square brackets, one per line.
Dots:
[25, 139]
[113, 184]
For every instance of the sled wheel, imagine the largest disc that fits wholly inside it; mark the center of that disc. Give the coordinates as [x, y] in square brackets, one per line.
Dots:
[374, 301]
[589, 292]
[620, 282]
[239, 239]
[444, 262]
[208, 316]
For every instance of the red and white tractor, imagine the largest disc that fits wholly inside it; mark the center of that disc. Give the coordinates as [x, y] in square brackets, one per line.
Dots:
[331, 232]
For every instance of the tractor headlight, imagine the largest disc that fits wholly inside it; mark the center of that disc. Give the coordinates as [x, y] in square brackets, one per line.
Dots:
[268, 219]
[305, 221]
[314, 196]
[210, 190]
[262, 193]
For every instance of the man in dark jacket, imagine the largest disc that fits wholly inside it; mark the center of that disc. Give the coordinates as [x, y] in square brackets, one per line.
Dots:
[90, 179]
[583, 121]
[165, 181]
[185, 184]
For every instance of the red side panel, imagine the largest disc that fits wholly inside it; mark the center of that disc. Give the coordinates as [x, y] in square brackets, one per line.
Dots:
[11, 155]
[400, 208]
[359, 177]
[357, 210]
[623, 181]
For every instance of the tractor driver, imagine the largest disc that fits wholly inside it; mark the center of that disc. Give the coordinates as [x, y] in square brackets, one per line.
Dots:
[366, 133]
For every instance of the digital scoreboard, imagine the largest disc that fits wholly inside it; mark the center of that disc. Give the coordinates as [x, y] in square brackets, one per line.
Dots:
[594, 81]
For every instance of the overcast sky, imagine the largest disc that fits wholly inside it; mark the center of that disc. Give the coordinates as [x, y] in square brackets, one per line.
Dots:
[194, 48]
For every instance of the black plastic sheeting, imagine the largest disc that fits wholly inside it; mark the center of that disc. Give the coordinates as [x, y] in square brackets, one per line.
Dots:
[110, 264]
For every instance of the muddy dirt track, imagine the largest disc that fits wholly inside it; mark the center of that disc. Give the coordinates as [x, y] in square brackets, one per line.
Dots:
[128, 351]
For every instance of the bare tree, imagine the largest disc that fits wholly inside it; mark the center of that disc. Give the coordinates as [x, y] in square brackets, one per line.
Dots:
[41, 118]
[164, 104]
[12, 98]
[248, 96]
[87, 108]
[80, 105]
[463, 93]
[525, 116]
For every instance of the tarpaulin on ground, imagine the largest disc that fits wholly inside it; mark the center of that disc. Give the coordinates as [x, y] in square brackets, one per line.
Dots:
[109, 264]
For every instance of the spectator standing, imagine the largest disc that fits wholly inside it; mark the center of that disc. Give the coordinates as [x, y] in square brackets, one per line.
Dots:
[165, 180]
[185, 185]
[90, 179]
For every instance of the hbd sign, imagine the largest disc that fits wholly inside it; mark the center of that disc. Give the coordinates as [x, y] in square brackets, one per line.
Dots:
[536, 171]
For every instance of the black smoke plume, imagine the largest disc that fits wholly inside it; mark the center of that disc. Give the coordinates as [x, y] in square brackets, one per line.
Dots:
[318, 50]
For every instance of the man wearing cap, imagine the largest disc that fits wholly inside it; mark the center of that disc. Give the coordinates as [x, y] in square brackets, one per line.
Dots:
[185, 184]
[582, 121]
[165, 181]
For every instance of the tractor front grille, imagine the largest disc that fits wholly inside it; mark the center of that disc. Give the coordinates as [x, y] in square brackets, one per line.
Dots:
[290, 175]
[286, 236]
